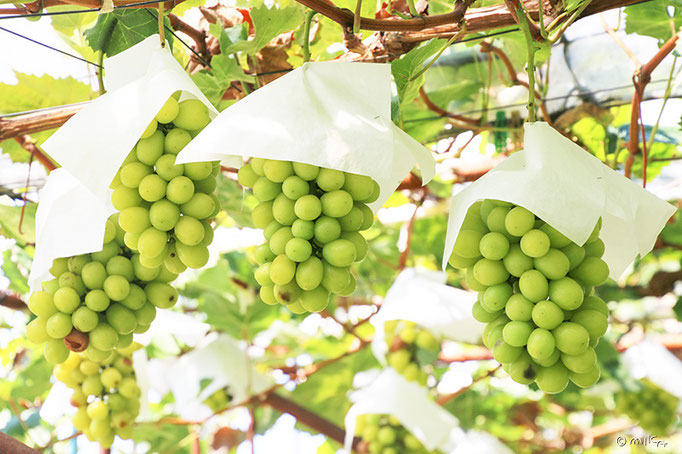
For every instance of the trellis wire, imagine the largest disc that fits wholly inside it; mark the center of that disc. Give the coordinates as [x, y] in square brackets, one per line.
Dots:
[78, 11]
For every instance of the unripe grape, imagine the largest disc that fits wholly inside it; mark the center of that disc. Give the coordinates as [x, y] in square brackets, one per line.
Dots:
[175, 140]
[327, 229]
[596, 304]
[308, 172]
[198, 171]
[505, 353]
[97, 300]
[116, 287]
[271, 228]
[287, 293]
[122, 319]
[335, 279]
[192, 114]
[556, 238]
[566, 293]
[76, 263]
[496, 296]
[59, 266]
[460, 262]
[523, 370]
[152, 188]
[358, 186]
[399, 360]
[108, 250]
[490, 272]
[350, 288]
[302, 229]
[471, 281]
[124, 197]
[518, 307]
[267, 295]
[134, 219]
[150, 149]
[55, 351]
[246, 176]
[282, 270]
[581, 363]
[169, 111]
[516, 333]
[103, 337]
[330, 180]
[295, 187]
[161, 295]
[360, 243]
[42, 304]
[339, 252]
[518, 221]
[262, 215]
[277, 171]
[336, 204]
[141, 272]
[551, 360]
[594, 248]
[179, 190]
[587, 379]
[58, 325]
[308, 207]
[554, 264]
[592, 271]
[368, 216]
[36, 330]
[467, 244]
[264, 254]
[540, 344]
[427, 341]
[283, 210]
[482, 315]
[120, 266]
[50, 286]
[496, 220]
[574, 253]
[146, 314]
[279, 240]
[163, 215]
[491, 335]
[189, 231]
[152, 241]
[265, 190]
[151, 127]
[84, 319]
[594, 322]
[553, 379]
[298, 249]
[535, 243]
[131, 174]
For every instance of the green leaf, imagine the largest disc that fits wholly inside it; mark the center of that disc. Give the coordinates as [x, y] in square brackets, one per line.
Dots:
[407, 68]
[10, 220]
[214, 82]
[653, 19]
[270, 22]
[118, 30]
[233, 39]
[17, 281]
[165, 438]
[33, 92]
[678, 309]
[33, 381]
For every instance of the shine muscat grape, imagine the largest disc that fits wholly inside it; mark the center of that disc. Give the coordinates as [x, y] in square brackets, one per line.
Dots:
[653, 407]
[535, 292]
[105, 393]
[98, 300]
[166, 208]
[385, 435]
[404, 340]
[312, 218]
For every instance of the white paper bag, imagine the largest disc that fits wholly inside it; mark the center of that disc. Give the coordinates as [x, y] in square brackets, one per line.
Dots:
[391, 394]
[651, 360]
[330, 114]
[70, 220]
[94, 142]
[422, 297]
[569, 189]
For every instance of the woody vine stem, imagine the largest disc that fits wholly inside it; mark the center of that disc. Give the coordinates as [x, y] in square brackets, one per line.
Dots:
[532, 47]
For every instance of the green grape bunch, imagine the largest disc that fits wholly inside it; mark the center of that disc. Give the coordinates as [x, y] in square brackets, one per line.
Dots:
[165, 208]
[105, 393]
[535, 292]
[312, 217]
[652, 407]
[95, 302]
[404, 339]
[384, 434]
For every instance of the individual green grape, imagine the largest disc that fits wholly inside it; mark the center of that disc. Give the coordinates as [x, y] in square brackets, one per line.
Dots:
[141, 272]
[472, 282]
[505, 353]
[594, 248]
[335, 279]
[547, 315]
[473, 221]
[51, 286]
[467, 244]
[124, 197]
[581, 363]
[308, 172]
[163, 215]
[282, 270]
[84, 319]
[556, 238]
[460, 262]
[189, 231]
[59, 266]
[97, 300]
[340, 253]
[516, 333]
[519, 308]
[427, 341]
[519, 221]
[192, 114]
[152, 242]
[58, 325]
[134, 219]
[496, 220]
[596, 304]
[42, 304]
[496, 296]
[262, 215]
[594, 322]
[152, 188]
[327, 229]
[360, 243]
[308, 207]
[271, 228]
[330, 180]
[246, 176]
[336, 204]
[103, 337]
[523, 370]
[350, 288]
[180, 190]
[76, 263]
[264, 254]
[267, 294]
[116, 287]
[198, 170]
[295, 187]
[541, 344]
[169, 111]
[265, 190]
[592, 271]
[516, 262]
[161, 295]
[132, 174]
[120, 266]
[571, 338]
[146, 314]
[535, 243]
[176, 139]
[108, 250]
[122, 319]
[36, 330]
[283, 210]
[279, 240]
[262, 274]
[554, 264]
[151, 127]
[587, 379]
[490, 272]
[298, 250]
[288, 293]
[368, 216]
[494, 246]
[55, 351]
[574, 253]
[566, 293]
[358, 186]
[533, 285]
[302, 229]
[553, 379]
[277, 171]
[150, 149]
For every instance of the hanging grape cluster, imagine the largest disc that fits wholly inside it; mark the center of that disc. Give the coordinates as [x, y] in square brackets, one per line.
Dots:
[165, 207]
[535, 293]
[312, 217]
[652, 407]
[97, 301]
[404, 340]
[104, 392]
[385, 435]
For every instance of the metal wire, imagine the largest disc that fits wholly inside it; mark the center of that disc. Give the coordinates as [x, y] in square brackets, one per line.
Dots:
[78, 11]
[172, 32]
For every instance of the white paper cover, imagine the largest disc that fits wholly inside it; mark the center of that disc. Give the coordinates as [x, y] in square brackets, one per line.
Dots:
[225, 361]
[422, 297]
[70, 220]
[569, 189]
[391, 394]
[94, 142]
[329, 114]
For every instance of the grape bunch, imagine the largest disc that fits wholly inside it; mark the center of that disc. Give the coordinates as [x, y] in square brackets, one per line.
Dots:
[404, 339]
[312, 217]
[165, 207]
[385, 435]
[97, 301]
[653, 407]
[105, 393]
[535, 293]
